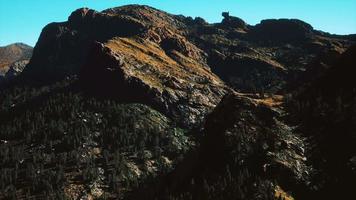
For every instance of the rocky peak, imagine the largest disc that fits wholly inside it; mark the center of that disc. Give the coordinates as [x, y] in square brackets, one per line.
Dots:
[146, 14]
[79, 15]
[63, 47]
[282, 30]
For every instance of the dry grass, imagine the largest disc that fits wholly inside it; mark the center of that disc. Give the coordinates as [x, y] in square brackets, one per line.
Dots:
[273, 101]
[138, 53]
[280, 193]
[4, 65]
[270, 101]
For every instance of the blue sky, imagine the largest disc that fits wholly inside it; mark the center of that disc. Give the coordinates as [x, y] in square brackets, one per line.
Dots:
[23, 20]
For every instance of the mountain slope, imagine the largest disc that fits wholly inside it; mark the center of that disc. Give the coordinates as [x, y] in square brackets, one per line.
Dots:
[146, 56]
[14, 57]
[58, 143]
[246, 153]
[325, 110]
[136, 103]
[133, 69]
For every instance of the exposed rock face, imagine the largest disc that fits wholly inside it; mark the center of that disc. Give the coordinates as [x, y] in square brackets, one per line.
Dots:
[63, 47]
[139, 69]
[16, 69]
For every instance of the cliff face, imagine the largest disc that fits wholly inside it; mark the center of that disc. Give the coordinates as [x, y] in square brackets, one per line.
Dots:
[63, 47]
[135, 69]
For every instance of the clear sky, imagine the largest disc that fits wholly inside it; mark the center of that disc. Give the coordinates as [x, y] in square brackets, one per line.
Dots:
[23, 20]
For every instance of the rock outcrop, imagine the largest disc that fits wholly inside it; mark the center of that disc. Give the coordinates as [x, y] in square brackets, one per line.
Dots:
[232, 22]
[140, 70]
[16, 69]
[282, 31]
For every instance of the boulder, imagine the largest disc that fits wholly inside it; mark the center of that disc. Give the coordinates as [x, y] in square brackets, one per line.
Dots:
[232, 22]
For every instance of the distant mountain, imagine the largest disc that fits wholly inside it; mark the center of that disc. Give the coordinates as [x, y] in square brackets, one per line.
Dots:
[15, 57]
[14, 52]
[136, 103]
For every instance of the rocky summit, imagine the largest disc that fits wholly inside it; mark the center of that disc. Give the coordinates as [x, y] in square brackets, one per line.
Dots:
[136, 103]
